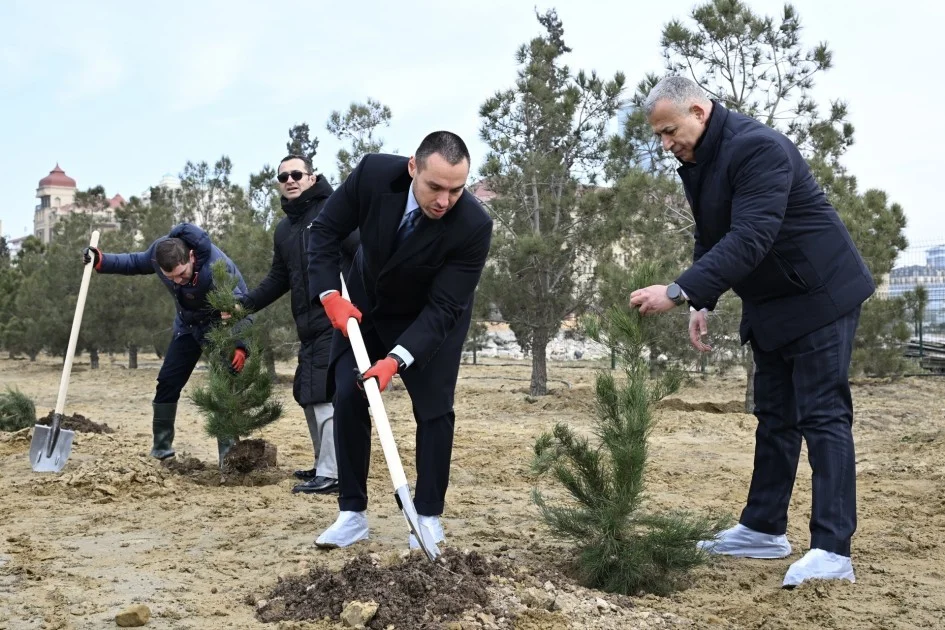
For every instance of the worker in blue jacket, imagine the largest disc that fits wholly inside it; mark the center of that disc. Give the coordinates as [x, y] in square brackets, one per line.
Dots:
[182, 260]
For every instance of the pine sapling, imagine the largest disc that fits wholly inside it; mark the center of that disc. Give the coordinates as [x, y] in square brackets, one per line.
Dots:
[234, 404]
[621, 547]
[17, 410]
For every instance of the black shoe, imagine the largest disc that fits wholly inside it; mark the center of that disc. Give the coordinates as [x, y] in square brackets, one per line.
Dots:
[318, 485]
[305, 475]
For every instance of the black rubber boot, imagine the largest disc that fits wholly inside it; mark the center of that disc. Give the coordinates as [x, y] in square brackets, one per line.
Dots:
[163, 428]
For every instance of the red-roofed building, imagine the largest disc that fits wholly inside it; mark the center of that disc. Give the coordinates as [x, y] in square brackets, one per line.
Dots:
[56, 193]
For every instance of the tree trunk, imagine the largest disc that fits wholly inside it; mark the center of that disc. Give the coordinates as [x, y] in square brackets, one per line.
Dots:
[93, 358]
[475, 346]
[750, 385]
[132, 357]
[539, 363]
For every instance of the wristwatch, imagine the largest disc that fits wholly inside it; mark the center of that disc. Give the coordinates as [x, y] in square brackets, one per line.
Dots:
[675, 293]
[401, 364]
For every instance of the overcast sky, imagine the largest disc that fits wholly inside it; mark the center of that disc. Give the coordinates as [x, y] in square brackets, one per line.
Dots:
[121, 93]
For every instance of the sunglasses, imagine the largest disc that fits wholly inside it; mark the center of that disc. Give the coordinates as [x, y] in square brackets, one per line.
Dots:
[296, 175]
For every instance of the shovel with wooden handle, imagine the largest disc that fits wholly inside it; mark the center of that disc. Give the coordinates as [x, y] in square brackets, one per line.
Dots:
[51, 445]
[386, 436]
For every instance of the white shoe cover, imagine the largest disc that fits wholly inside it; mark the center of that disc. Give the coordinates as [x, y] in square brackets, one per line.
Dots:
[743, 542]
[348, 528]
[818, 564]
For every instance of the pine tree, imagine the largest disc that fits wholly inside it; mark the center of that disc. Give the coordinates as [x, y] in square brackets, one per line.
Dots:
[620, 547]
[357, 126]
[234, 404]
[547, 139]
[300, 142]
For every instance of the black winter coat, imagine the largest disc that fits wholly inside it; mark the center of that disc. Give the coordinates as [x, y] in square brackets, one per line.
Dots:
[289, 273]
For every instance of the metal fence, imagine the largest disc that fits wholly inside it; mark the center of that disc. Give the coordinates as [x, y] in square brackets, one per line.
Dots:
[919, 278]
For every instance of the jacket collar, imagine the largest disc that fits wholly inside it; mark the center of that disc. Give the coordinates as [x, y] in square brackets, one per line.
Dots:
[709, 142]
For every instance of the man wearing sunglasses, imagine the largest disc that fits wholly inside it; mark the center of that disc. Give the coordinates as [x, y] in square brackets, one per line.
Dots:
[304, 193]
[424, 241]
[183, 261]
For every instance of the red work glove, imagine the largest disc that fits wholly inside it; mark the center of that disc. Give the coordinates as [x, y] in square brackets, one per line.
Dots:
[382, 370]
[239, 360]
[339, 310]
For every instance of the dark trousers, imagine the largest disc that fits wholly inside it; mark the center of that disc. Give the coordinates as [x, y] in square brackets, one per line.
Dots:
[182, 355]
[802, 390]
[353, 442]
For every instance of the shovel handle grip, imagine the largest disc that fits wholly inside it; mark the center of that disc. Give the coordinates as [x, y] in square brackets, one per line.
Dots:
[76, 324]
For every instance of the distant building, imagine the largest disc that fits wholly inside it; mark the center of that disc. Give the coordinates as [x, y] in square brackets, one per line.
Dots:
[170, 182]
[931, 275]
[56, 193]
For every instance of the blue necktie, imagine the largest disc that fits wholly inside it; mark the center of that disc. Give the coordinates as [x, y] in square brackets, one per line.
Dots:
[407, 227]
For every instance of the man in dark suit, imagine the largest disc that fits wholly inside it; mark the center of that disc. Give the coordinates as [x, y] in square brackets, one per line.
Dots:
[424, 242]
[304, 194]
[764, 228]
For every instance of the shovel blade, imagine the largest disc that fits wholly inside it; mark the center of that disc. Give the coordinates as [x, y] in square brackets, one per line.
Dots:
[49, 450]
[422, 534]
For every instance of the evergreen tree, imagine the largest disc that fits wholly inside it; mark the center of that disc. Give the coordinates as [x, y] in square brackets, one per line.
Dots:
[10, 277]
[547, 142]
[45, 303]
[17, 410]
[357, 127]
[22, 332]
[300, 143]
[205, 196]
[234, 404]
[620, 547]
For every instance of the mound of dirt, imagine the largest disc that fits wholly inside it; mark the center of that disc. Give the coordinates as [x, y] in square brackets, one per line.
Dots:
[209, 473]
[183, 464]
[249, 455]
[77, 422]
[117, 476]
[675, 404]
[415, 593]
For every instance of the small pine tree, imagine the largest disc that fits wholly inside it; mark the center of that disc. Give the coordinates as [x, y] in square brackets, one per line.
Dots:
[234, 404]
[17, 410]
[620, 547]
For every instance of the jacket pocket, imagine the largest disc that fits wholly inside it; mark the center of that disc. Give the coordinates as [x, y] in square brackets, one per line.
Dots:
[773, 278]
[790, 272]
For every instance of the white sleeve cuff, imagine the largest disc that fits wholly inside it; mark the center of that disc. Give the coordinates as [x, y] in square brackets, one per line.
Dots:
[321, 296]
[401, 352]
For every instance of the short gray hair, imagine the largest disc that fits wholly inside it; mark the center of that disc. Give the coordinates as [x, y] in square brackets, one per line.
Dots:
[679, 91]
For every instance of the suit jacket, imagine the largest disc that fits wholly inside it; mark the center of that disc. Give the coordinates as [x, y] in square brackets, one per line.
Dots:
[419, 296]
[765, 229]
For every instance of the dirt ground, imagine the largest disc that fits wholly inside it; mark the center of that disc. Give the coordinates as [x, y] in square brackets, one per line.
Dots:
[116, 528]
